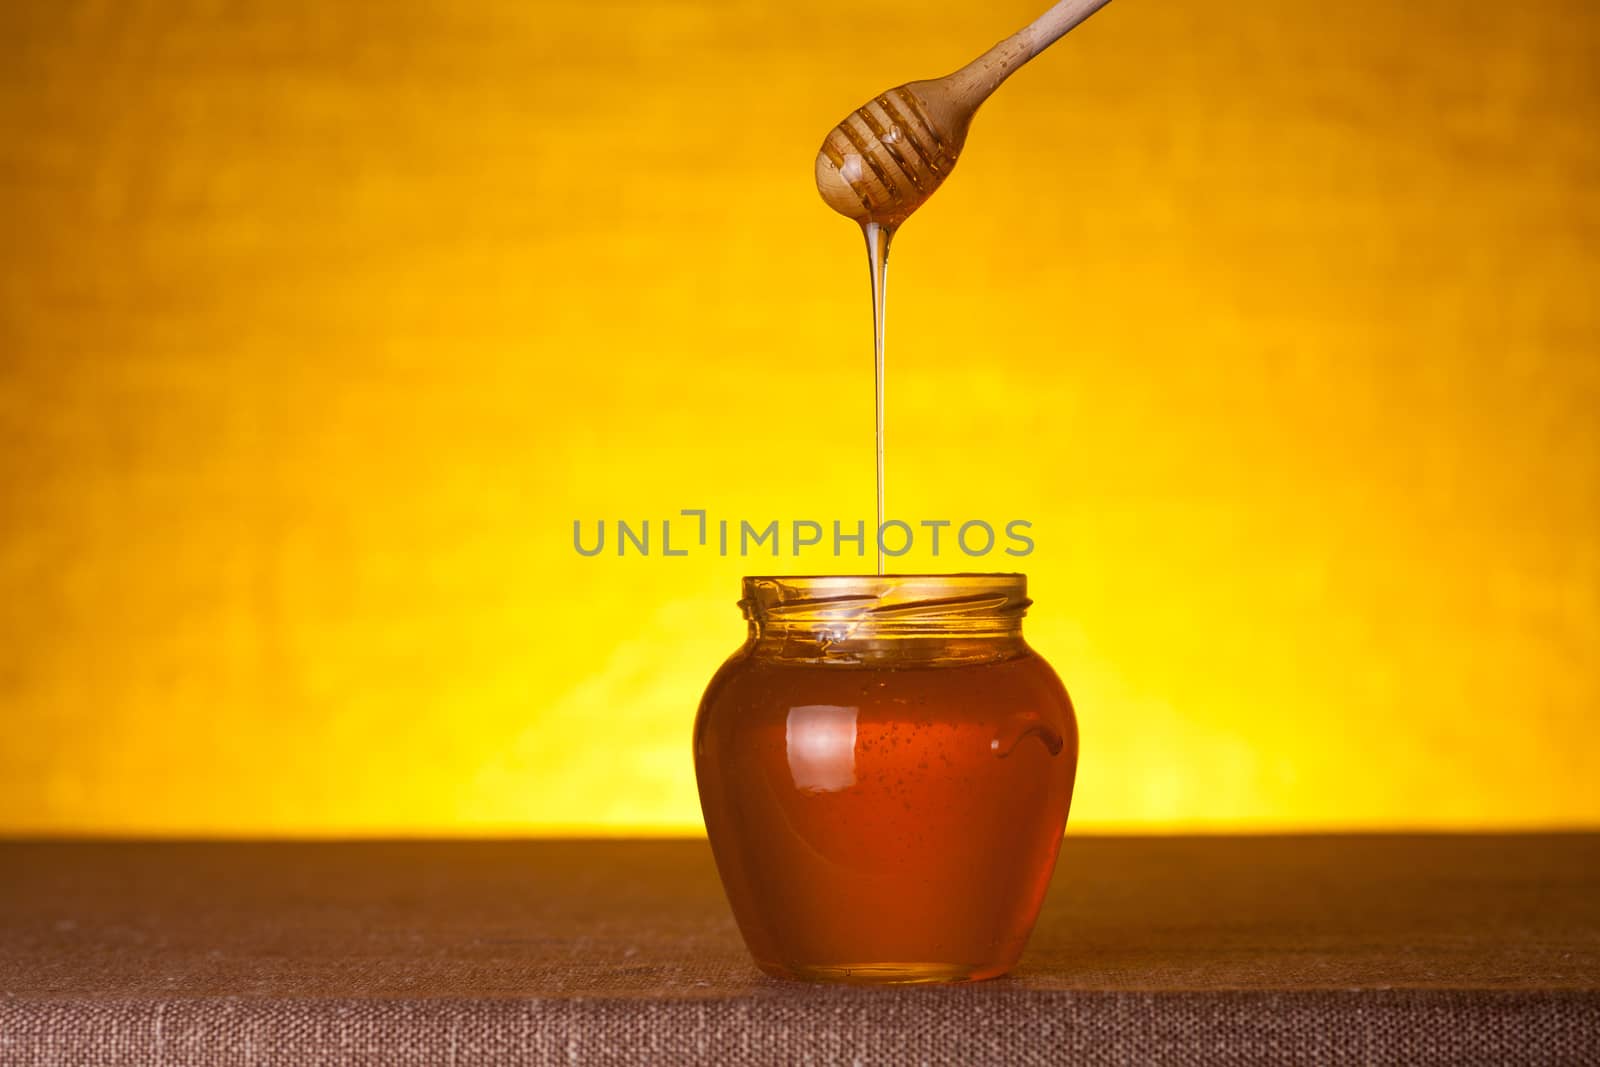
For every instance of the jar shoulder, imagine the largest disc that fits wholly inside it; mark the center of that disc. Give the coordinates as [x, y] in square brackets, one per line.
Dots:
[750, 685]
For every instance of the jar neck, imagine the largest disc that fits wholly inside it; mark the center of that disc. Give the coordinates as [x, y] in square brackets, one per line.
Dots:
[792, 645]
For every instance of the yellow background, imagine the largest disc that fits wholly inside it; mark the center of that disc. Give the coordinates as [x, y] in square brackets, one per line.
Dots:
[321, 323]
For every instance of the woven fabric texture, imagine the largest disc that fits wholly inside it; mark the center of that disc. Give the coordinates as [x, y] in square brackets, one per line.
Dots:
[1375, 949]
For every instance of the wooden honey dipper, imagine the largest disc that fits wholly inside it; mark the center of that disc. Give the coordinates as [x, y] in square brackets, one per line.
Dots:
[889, 155]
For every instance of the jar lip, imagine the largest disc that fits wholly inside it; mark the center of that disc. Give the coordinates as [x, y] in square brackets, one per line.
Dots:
[918, 601]
[947, 575]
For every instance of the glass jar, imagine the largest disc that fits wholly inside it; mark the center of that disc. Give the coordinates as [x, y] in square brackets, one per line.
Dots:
[885, 769]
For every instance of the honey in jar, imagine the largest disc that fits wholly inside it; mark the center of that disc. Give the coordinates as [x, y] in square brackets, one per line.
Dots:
[885, 769]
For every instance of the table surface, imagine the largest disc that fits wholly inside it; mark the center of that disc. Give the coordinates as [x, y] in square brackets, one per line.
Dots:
[1381, 948]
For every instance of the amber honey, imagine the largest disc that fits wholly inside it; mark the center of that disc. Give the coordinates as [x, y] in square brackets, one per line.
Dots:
[885, 770]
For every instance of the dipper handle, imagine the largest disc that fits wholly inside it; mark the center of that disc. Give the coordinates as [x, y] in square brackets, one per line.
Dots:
[975, 82]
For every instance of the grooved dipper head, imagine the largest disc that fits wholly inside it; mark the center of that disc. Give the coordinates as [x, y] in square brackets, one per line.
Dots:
[889, 155]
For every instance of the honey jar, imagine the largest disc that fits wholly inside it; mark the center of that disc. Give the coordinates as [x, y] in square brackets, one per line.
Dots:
[885, 768]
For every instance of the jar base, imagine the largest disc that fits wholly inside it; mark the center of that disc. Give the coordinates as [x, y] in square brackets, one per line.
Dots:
[885, 973]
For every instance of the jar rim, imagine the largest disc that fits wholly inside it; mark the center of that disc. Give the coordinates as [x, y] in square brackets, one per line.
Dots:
[945, 575]
[888, 601]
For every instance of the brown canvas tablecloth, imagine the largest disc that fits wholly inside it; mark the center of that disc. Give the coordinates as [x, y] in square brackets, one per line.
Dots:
[1326, 949]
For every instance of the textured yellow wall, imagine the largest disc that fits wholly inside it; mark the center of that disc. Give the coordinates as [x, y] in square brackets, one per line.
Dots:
[320, 323]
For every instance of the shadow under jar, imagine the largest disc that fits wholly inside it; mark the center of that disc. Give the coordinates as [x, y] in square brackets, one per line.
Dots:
[885, 769]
